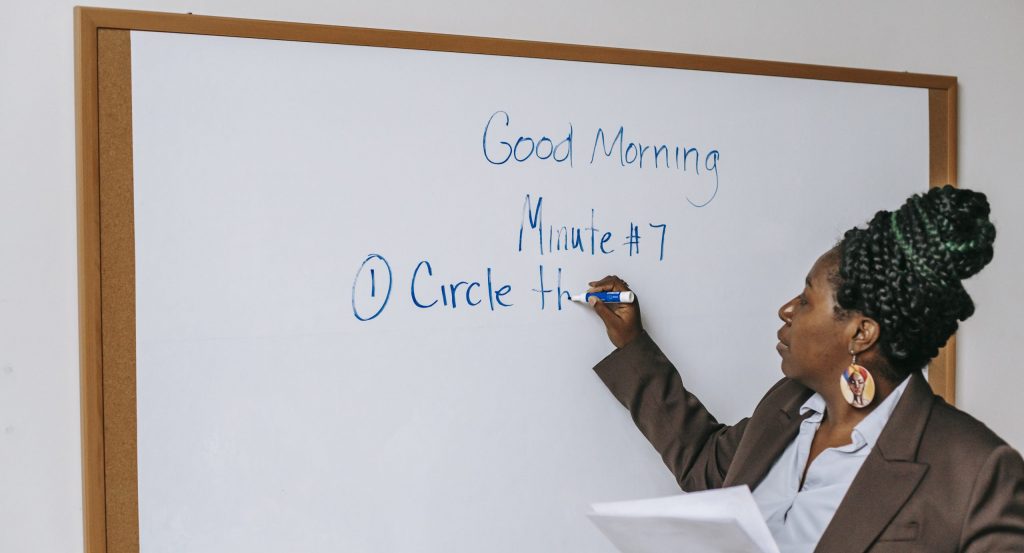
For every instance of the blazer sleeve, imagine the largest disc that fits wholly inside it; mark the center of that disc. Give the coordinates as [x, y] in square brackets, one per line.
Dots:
[696, 448]
[995, 521]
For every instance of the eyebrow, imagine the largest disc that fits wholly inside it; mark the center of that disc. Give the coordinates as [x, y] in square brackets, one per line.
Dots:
[807, 281]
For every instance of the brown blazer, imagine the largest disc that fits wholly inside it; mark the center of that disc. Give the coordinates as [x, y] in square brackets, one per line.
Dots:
[937, 480]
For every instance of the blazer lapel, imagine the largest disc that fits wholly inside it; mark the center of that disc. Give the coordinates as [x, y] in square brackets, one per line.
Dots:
[886, 480]
[756, 455]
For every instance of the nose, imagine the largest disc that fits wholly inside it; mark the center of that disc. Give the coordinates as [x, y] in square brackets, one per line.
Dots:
[786, 311]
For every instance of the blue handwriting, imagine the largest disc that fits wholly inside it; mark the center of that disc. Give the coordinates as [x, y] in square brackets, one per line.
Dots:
[525, 147]
[583, 239]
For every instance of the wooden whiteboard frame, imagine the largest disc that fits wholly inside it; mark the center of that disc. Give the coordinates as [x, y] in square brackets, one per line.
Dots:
[106, 244]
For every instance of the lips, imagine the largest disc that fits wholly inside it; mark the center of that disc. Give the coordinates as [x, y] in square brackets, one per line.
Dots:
[782, 345]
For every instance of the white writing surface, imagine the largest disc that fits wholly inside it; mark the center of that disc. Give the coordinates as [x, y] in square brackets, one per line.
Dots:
[353, 262]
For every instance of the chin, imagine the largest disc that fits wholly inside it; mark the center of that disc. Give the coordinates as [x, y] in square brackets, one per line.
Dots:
[790, 372]
[785, 369]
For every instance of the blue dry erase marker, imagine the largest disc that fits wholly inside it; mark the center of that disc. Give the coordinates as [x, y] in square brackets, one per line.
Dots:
[607, 297]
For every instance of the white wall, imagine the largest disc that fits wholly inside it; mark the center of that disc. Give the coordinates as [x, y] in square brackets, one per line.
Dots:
[40, 482]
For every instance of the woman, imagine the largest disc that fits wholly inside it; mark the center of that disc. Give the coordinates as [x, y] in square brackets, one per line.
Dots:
[837, 464]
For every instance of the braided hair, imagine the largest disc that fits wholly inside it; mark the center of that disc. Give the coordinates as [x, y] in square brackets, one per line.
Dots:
[905, 270]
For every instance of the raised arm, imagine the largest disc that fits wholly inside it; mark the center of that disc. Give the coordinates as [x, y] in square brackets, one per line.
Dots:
[694, 446]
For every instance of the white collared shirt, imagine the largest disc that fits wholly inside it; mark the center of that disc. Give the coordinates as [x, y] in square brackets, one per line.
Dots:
[797, 517]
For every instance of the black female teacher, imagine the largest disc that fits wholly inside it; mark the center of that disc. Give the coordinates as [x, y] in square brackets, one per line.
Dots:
[850, 451]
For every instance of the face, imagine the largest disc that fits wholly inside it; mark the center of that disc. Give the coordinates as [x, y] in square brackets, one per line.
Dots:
[813, 343]
[857, 384]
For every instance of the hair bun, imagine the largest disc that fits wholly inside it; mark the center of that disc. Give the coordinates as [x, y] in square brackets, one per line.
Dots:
[946, 234]
[905, 270]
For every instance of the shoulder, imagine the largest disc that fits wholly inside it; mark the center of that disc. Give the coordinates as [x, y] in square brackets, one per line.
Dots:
[976, 474]
[965, 454]
[924, 428]
[958, 432]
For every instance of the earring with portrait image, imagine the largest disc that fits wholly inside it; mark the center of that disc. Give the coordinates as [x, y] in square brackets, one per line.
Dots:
[857, 385]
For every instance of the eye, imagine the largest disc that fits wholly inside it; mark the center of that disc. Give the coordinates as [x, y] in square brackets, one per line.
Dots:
[802, 300]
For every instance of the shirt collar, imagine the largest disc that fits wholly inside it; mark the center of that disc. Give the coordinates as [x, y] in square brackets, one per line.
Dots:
[868, 430]
[815, 405]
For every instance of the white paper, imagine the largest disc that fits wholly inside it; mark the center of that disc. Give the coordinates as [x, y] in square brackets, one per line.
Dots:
[713, 521]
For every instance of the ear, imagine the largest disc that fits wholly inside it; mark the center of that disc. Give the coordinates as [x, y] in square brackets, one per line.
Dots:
[865, 333]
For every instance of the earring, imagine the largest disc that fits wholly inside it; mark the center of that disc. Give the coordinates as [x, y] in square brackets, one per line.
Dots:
[857, 385]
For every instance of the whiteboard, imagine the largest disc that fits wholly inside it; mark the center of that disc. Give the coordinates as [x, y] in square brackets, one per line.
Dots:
[349, 259]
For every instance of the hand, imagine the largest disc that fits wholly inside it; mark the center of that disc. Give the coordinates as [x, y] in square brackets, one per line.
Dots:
[621, 320]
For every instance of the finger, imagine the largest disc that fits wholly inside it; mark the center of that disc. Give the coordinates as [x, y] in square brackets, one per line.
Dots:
[607, 315]
[612, 287]
[608, 284]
